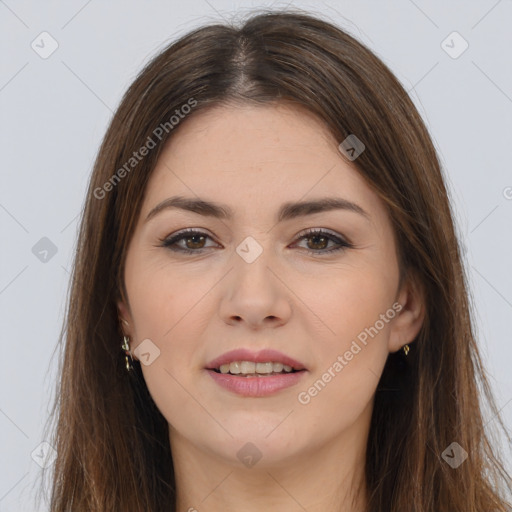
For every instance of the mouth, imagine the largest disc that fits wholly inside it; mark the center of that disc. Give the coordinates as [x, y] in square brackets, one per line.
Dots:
[255, 374]
[246, 363]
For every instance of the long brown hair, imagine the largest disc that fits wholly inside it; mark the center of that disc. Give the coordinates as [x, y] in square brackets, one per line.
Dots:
[112, 442]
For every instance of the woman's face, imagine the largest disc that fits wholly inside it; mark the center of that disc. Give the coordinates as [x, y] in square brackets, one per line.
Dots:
[256, 280]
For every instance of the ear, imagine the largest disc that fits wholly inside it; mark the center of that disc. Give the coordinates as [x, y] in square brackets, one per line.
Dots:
[126, 321]
[125, 318]
[406, 326]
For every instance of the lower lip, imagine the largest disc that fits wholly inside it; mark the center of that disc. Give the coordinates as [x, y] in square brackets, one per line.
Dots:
[256, 386]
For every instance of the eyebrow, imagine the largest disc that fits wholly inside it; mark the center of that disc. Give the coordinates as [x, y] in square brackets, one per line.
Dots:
[287, 211]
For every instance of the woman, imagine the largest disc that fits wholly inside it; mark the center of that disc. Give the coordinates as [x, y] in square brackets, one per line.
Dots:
[268, 308]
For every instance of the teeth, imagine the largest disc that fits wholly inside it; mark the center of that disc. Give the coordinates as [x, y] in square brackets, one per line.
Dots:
[246, 367]
[233, 367]
[251, 368]
[278, 367]
[264, 367]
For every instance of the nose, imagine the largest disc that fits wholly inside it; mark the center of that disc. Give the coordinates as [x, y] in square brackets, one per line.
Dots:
[255, 294]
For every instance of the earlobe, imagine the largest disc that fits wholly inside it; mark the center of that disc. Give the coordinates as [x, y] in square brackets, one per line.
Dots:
[407, 324]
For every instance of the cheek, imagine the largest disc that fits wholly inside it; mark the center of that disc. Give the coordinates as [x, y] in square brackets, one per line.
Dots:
[172, 310]
[351, 349]
[163, 300]
[344, 302]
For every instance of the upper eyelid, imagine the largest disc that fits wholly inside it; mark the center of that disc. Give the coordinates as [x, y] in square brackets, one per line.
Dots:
[201, 231]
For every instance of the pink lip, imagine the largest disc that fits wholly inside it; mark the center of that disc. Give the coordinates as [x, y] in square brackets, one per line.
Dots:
[256, 386]
[262, 356]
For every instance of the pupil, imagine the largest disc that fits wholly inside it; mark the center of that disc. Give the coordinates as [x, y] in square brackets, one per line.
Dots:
[195, 237]
[316, 237]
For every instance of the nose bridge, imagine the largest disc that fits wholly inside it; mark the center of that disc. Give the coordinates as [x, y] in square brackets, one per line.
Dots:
[251, 261]
[252, 292]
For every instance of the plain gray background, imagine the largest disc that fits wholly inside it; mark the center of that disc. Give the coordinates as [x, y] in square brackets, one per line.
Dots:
[55, 111]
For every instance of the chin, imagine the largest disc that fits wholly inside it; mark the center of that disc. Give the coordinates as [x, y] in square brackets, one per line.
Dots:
[261, 446]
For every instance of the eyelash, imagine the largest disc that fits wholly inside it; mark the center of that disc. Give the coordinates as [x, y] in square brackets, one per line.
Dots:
[189, 233]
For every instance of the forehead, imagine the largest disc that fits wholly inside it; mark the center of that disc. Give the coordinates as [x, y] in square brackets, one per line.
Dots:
[255, 155]
[250, 134]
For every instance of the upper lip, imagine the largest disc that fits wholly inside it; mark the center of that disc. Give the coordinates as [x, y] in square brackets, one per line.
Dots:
[262, 356]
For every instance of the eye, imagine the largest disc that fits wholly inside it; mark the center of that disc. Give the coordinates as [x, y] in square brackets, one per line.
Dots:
[320, 239]
[194, 241]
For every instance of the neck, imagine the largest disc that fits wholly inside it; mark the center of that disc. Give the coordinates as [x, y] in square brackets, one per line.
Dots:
[327, 478]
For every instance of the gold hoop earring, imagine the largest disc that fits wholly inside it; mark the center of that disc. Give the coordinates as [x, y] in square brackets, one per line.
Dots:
[126, 347]
[406, 349]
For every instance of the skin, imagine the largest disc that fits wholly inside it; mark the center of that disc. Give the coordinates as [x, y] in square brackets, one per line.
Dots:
[194, 307]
